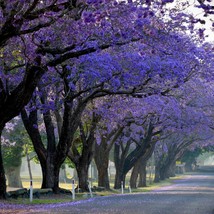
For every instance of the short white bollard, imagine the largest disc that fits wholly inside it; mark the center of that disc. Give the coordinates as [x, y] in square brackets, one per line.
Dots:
[31, 190]
[89, 187]
[122, 189]
[73, 189]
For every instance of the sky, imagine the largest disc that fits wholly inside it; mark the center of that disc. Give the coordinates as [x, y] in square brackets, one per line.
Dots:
[198, 13]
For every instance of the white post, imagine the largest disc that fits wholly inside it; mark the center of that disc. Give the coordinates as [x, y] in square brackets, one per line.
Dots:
[73, 189]
[89, 187]
[122, 189]
[91, 175]
[30, 174]
[31, 190]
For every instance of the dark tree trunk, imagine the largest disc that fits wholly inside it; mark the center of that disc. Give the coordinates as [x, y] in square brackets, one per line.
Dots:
[171, 169]
[71, 121]
[102, 156]
[142, 175]
[13, 176]
[134, 175]
[103, 178]
[119, 160]
[102, 162]
[12, 103]
[139, 171]
[82, 171]
[188, 167]
[167, 164]
[48, 172]
[47, 157]
[55, 187]
[50, 158]
[167, 168]
[163, 172]
[164, 169]
[83, 160]
[2, 173]
[119, 178]
[124, 161]
[161, 165]
[141, 167]
[82, 163]
[158, 160]
[82, 166]
[145, 148]
[157, 174]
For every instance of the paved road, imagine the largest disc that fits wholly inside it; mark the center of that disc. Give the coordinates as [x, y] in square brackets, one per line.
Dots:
[192, 195]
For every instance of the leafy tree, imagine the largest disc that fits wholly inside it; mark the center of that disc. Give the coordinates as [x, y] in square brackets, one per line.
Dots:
[27, 28]
[12, 162]
[30, 29]
[19, 20]
[189, 158]
[14, 138]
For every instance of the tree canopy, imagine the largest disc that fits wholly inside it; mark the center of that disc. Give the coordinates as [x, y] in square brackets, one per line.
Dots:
[60, 57]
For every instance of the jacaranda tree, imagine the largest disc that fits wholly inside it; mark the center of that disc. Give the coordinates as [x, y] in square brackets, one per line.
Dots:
[59, 36]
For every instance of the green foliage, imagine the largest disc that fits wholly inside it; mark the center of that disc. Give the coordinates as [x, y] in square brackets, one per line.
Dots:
[69, 163]
[13, 151]
[12, 156]
[190, 156]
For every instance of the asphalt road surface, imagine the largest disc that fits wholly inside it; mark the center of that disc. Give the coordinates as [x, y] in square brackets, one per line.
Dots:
[192, 195]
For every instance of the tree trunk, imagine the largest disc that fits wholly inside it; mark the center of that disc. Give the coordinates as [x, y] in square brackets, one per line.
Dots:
[82, 171]
[119, 178]
[134, 175]
[56, 171]
[103, 178]
[142, 173]
[118, 166]
[157, 174]
[48, 173]
[120, 157]
[168, 166]
[12, 104]
[13, 176]
[171, 169]
[102, 156]
[82, 163]
[145, 148]
[188, 167]
[47, 157]
[2, 173]
[164, 170]
[102, 162]
[2, 179]
[163, 174]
